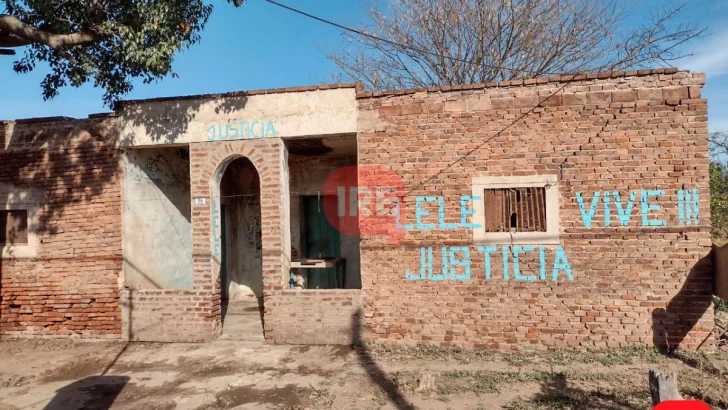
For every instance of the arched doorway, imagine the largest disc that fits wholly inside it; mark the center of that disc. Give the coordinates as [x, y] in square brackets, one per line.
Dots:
[241, 267]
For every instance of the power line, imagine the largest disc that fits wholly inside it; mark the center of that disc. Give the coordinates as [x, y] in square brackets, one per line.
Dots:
[394, 43]
[488, 139]
[443, 169]
[342, 27]
[358, 32]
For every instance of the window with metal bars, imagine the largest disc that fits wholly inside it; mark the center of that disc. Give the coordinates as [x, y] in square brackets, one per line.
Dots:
[515, 209]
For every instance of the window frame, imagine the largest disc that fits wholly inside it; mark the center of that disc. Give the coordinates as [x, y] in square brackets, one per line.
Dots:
[21, 199]
[550, 184]
[10, 212]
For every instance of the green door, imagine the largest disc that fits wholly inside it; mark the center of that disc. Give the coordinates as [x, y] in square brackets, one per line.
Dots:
[321, 241]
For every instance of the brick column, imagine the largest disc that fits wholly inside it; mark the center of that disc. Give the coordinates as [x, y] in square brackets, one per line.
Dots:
[208, 163]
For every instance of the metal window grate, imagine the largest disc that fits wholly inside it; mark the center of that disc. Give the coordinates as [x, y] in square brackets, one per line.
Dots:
[14, 226]
[515, 210]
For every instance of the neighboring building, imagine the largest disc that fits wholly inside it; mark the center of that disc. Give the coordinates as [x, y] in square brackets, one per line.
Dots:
[539, 213]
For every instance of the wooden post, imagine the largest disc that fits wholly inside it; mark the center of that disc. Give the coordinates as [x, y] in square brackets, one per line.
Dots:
[663, 386]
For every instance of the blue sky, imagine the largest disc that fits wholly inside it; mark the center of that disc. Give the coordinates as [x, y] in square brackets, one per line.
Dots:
[263, 46]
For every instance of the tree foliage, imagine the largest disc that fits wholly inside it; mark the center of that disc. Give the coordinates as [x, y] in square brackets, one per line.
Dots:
[109, 42]
[718, 148]
[719, 200]
[444, 42]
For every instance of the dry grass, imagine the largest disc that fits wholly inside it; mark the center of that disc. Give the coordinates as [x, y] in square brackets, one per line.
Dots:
[565, 379]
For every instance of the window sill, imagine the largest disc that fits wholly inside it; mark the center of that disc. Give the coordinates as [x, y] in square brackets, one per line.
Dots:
[18, 252]
[515, 238]
[292, 291]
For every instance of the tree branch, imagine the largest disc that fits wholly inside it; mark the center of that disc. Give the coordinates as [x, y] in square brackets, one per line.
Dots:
[14, 32]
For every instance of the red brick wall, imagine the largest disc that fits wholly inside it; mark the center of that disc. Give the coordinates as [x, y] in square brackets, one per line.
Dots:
[632, 285]
[71, 287]
[169, 315]
[314, 316]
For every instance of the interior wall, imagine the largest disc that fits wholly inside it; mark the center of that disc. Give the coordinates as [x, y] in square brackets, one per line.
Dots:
[157, 234]
[240, 191]
[308, 175]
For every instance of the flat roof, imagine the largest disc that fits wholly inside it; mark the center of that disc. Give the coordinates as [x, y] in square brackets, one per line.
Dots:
[517, 83]
[361, 94]
[243, 93]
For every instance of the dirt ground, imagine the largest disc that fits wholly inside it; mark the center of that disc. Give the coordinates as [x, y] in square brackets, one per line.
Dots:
[65, 374]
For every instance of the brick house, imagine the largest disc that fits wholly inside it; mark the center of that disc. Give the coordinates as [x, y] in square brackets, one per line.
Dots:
[567, 211]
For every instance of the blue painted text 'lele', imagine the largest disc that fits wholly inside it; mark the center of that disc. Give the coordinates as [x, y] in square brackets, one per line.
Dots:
[687, 206]
[459, 256]
[465, 211]
[241, 130]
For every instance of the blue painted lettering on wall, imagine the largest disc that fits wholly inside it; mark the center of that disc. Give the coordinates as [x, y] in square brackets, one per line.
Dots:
[215, 229]
[241, 130]
[587, 216]
[450, 264]
[456, 264]
[646, 207]
[455, 261]
[687, 206]
[624, 212]
[421, 212]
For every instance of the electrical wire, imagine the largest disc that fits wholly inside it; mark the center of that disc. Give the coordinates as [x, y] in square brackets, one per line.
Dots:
[396, 44]
[490, 138]
[358, 32]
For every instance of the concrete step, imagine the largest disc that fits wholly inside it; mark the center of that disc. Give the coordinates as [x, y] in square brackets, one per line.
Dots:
[242, 320]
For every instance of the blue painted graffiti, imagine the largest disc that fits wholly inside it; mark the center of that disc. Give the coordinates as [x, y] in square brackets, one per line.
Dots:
[215, 229]
[587, 216]
[241, 130]
[646, 207]
[465, 211]
[451, 264]
[626, 212]
[456, 264]
[687, 205]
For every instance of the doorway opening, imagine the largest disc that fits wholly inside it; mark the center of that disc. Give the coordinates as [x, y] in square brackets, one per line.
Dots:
[319, 239]
[325, 252]
[241, 264]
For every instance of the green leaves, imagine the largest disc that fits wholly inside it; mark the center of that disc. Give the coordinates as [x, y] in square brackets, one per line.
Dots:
[131, 39]
[719, 200]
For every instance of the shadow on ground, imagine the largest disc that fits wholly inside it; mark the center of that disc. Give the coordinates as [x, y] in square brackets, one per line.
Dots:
[558, 393]
[374, 372]
[91, 393]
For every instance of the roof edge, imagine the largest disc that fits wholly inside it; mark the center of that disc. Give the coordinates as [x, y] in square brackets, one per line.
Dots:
[31, 120]
[248, 93]
[528, 81]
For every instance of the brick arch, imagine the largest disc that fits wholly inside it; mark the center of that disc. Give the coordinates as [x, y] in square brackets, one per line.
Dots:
[215, 176]
[209, 160]
[215, 192]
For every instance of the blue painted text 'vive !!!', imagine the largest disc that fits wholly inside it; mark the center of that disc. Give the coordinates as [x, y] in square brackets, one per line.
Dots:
[241, 130]
[687, 206]
[451, 264]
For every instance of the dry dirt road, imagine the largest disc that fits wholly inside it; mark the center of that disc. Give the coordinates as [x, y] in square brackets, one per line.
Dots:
[64, 374]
